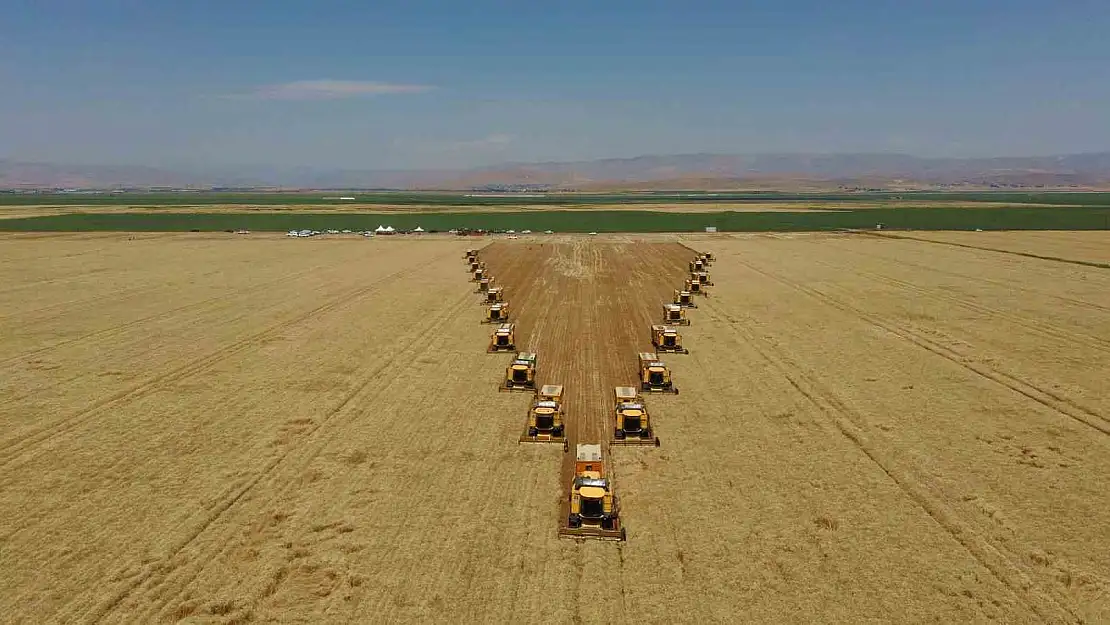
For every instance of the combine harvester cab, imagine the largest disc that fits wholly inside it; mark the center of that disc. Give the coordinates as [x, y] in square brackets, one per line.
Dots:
[667, 339]
[684, 298]
[708, 258]
[702, 278]
[545, 418]
[697, 265]
[503, 338]
[497, 313]
[675, 315]
[495, 294]
[475, 265]
[594, 511]
[632, 425]
[520, 375]
[478, 275]
[655, 377]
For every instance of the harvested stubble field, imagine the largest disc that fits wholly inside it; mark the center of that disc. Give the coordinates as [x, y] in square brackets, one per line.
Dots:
[217, 429]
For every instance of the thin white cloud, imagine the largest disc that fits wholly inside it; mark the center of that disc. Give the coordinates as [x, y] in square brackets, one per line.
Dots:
[330, 90]
[492, 142]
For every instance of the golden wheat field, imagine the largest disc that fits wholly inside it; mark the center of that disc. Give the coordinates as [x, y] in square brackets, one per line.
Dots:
[252, 429]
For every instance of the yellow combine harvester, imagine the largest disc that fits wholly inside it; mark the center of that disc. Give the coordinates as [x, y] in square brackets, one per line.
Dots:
[684, 298]
[475, 265]
[701, 277]
[520, 375]
[545, 419]
[667, 339]
[484, 284]
[694, 287]
[478, 274]
[632, 425]
[708, 257]
[503, 338]
[697, 265]
[594, 509]
[470, 255]
[495, 294]
[655, 377]
[675, 314]
[497, 313]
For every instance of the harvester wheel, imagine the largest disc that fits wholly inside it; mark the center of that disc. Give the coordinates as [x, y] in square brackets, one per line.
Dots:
[675, 388]
[624, 534]
[566, 446]
[656, 441]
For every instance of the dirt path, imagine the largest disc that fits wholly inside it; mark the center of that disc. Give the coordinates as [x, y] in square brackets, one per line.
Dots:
[585, 308]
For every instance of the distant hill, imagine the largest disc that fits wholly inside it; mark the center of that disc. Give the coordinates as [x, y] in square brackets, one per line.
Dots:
[787, 171]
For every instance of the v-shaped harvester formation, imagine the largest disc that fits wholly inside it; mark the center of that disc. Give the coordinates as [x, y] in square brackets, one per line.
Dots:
[593, 508]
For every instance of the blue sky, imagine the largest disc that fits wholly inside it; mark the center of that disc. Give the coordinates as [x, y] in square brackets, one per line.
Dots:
[396, 85]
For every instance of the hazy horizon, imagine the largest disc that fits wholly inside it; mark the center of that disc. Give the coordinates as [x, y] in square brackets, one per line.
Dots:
[435, 85]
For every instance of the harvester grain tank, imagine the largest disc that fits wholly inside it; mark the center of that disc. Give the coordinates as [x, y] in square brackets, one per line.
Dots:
[675, 315]
[594, 509]
[545, 418]
[631, 423]
[497, 313]
[667, 339]
[520, 375]
[503, 338]
[655, 377]
[684, 298]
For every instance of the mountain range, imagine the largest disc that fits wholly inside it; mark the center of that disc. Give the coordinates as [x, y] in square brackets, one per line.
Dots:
[680, 171]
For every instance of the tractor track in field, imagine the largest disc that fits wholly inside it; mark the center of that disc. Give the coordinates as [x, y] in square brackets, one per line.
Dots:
[415, 342]
[1055, 259]
[1053, 332]
[159, 577]
[1054, 401]
[166, 314]
[15, 448]
[978, 278]
[989, 553]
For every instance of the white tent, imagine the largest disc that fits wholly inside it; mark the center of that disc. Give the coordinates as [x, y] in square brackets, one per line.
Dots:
[389, 230]
[418, 229]
[380, 229]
